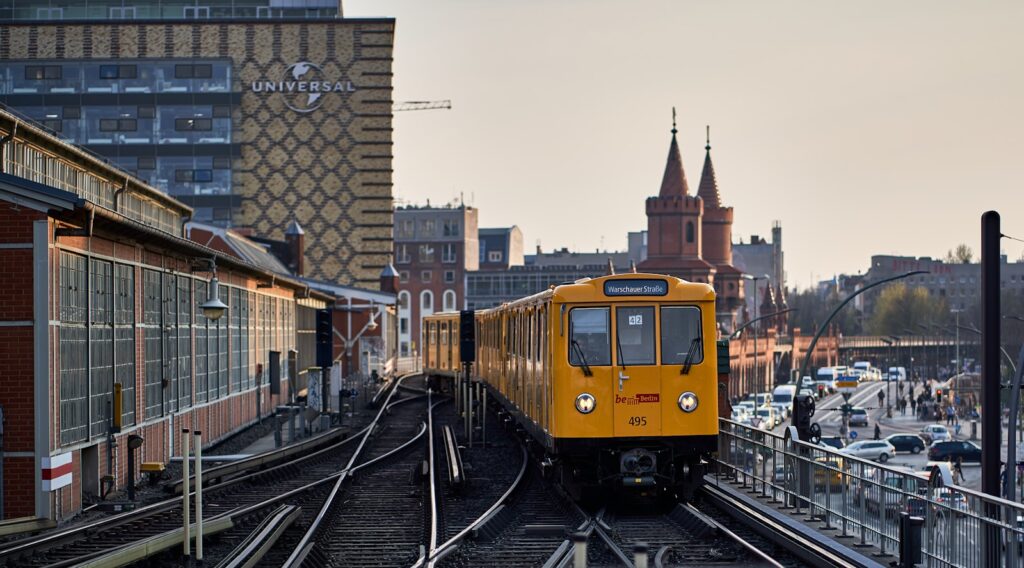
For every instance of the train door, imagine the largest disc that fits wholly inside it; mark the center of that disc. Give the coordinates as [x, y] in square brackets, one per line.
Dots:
[635, 373]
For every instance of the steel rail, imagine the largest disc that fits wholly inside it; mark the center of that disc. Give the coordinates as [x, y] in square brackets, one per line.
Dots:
[439, 552]
[305, 544]
[51, 539]
[735, 537]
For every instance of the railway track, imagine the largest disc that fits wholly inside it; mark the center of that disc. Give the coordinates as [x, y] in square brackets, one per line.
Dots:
[373, 514]
[241, 496]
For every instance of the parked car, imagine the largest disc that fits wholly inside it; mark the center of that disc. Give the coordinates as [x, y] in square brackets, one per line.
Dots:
[935, 433]
[879, 450]
[859, 417]
[833, 442]
[954, 450]
[907, 443]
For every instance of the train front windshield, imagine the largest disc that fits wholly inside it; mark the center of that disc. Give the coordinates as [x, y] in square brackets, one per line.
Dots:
[591, 341]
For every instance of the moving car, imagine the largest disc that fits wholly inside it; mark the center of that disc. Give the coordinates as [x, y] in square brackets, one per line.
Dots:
[768, 416]
[858, 417]
[896, 490]
[782, 399]
[950, 501]
[953, 450]
[828, 471]
[879, 450]
[826, 380]
[935, 433]
[907, 443]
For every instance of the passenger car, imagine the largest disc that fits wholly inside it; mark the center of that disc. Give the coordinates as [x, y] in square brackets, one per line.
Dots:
[935, 433]
[871, 449]
[833, 442]
[954, 450]
[906, 443]
[858, 417]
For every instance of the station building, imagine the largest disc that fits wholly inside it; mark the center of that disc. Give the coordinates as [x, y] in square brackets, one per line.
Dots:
[103, 293]
[253, 113]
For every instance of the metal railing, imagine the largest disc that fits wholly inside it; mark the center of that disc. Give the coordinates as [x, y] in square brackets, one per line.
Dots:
[864, 501]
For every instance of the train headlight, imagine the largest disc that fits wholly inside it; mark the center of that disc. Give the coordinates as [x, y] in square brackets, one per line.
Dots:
[585, 403]
[687, 402]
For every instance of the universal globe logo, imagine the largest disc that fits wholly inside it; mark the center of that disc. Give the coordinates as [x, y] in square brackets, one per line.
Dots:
[305, 86]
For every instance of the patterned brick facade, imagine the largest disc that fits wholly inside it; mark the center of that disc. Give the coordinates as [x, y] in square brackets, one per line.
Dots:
[329, 169]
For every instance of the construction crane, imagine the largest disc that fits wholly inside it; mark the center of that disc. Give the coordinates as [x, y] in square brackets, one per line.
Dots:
[422, 105]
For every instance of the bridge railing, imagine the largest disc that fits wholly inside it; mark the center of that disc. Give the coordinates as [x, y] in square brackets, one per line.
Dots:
[864, 501]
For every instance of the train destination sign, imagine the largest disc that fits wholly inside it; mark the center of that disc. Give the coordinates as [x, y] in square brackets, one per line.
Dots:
[635, 288]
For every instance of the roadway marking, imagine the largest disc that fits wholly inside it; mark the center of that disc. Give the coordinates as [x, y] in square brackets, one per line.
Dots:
[856, 399]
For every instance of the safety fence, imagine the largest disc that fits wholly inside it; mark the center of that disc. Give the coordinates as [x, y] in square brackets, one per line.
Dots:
[918, 516]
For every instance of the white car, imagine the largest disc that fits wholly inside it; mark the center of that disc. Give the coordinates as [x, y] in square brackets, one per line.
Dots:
[807, 392]
[935, 433]
[878, 450]
[768, 417]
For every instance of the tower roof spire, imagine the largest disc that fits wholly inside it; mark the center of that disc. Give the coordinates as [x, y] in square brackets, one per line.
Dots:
[673, 182]
[708, 188]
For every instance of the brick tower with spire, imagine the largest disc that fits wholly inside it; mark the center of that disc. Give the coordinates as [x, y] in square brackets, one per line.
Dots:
[716, 229]
[674, 224]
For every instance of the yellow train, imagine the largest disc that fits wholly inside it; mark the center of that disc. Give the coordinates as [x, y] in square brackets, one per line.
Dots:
[615, 377]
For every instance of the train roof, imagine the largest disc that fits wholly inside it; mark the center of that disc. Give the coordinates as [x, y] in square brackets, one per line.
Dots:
[629, 285]
[634, 285]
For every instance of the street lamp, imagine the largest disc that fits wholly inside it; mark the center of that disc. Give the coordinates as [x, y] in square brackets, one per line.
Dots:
[213, 308]
[757, 370]
[910, 370]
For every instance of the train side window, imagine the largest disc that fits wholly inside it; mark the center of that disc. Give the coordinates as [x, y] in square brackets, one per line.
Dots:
[635, 329]
[680, 325]
[590, 333]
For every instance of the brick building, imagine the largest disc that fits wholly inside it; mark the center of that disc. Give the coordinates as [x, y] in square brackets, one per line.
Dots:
[103, 292]
[251, 113]
[434, 248]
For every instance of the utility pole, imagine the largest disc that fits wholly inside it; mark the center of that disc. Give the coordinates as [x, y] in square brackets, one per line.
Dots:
[991, 434]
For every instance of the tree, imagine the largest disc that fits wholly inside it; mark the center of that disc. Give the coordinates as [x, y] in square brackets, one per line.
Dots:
[962, 254]
[811, 307]
[899, 308]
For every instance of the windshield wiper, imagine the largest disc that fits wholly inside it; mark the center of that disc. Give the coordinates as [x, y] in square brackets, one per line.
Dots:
[618, 345]
[688, 362]
[583, 359]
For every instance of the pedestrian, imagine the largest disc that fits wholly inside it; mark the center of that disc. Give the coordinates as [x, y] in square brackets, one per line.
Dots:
[949, 415]
[956, 428]
[878, 432]
[913, 406]
[881, 398]
[958, 473]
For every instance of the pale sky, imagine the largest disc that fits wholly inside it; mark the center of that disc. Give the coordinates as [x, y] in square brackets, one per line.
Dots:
[868, 127]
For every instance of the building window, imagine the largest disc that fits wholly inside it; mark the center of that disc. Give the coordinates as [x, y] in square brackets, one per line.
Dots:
[74, 342]
[193, 124]
[428, 227]
[119, 72]
[197, 176]
[448, 253]
[449, 300]
[43, 72]
[494, 256]
[426, 275]
[449, 276]
[405, 228]
[193, 71]
[221, 111]
[451, 228]
[146, 111]
[426, 302]
[402, 255]
[689, 232]
[426, 253]
[118, 125]
[403, 300]
[152, 343]
[122, 12]
[403, 276]
[403, 326]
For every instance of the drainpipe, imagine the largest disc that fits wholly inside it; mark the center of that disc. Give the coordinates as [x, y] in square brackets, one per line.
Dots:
[117, 195]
